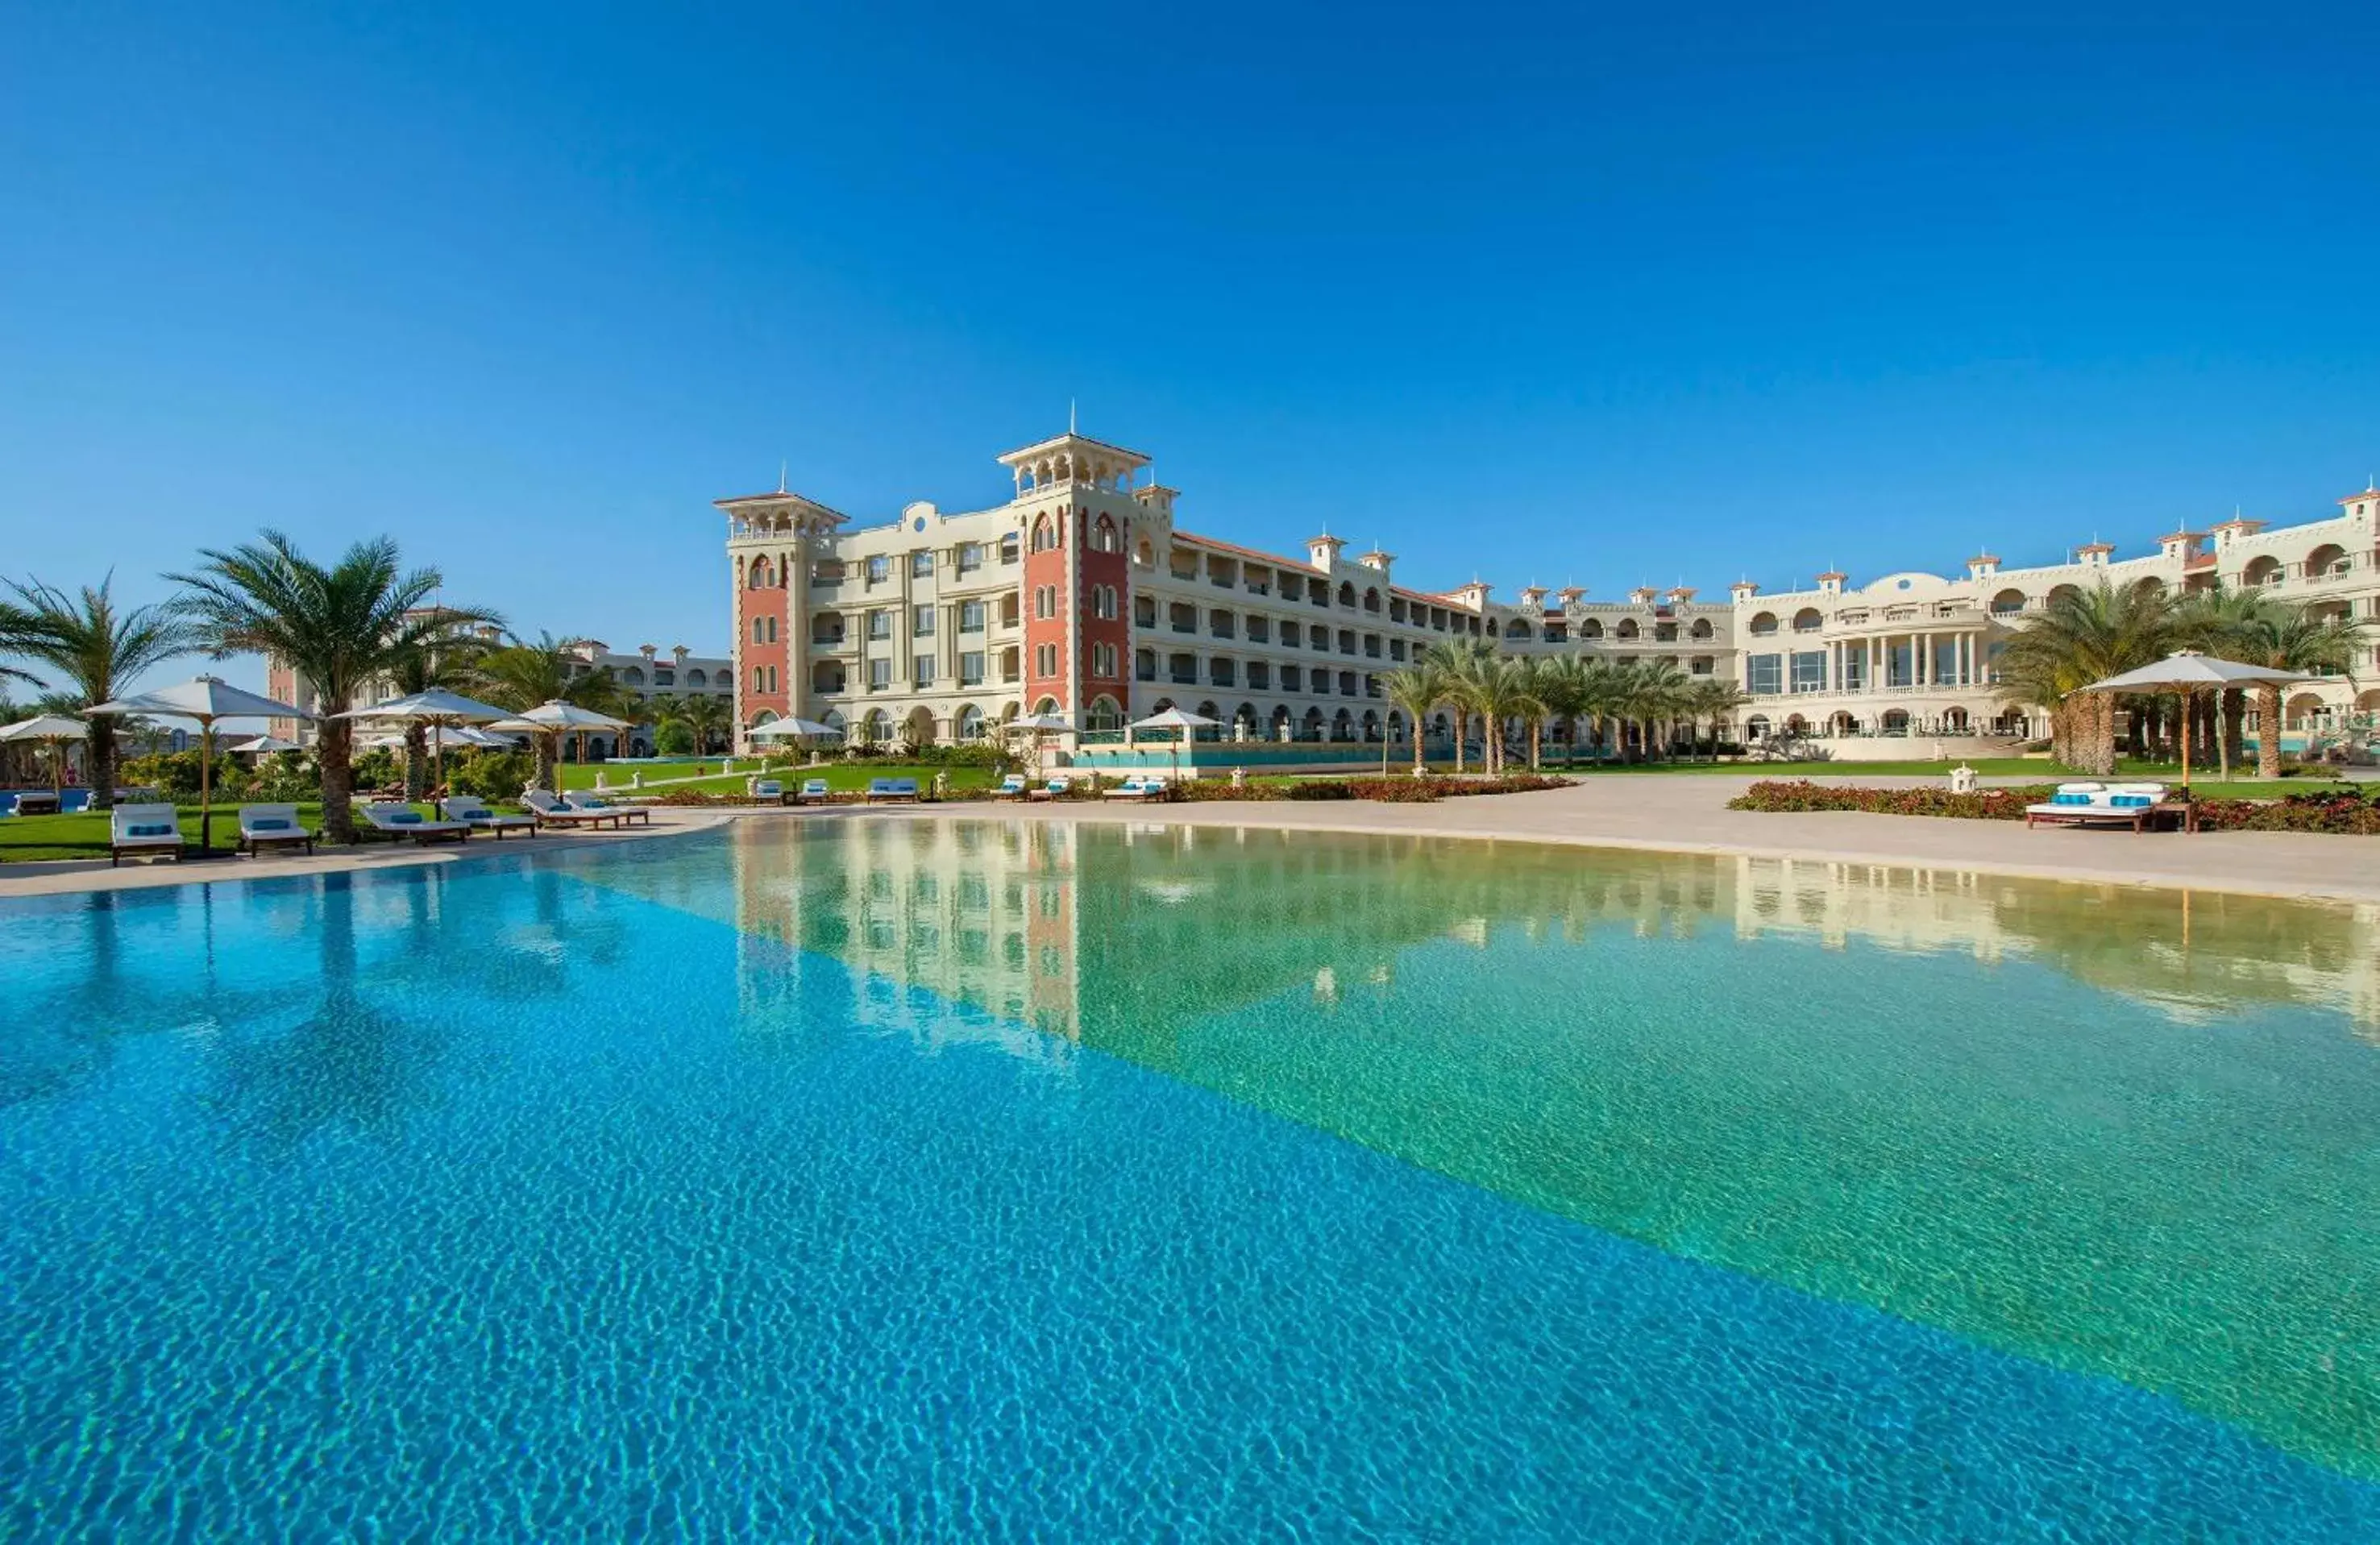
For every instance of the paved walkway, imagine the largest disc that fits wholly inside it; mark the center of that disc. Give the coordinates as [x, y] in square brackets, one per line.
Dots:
[1671, 813]
[1688, 813]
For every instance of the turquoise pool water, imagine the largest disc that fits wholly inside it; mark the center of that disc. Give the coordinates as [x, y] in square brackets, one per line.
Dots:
[917, 1178]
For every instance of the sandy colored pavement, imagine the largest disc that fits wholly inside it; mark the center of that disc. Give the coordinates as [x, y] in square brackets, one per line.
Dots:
[1676, 813]
[1688, 813]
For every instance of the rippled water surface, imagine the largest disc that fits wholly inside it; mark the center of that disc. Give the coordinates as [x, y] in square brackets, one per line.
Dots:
[915, 1178]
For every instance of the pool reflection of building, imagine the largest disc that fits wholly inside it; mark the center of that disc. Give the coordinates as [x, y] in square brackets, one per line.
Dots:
[1188, 920]
[976, 913]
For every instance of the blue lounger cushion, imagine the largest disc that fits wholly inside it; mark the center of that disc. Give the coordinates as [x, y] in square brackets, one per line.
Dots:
[406, 818]
[2070, 799]
[271, 823]
[149, 829]
[2130, 801]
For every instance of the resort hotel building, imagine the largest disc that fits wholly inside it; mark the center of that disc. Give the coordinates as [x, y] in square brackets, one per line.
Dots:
[1080, 597]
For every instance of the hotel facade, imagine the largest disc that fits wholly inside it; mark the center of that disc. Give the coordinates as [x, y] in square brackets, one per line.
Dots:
[1080, 597]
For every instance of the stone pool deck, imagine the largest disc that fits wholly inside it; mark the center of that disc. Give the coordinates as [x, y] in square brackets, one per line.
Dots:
[1659, 812]
[1688, 813]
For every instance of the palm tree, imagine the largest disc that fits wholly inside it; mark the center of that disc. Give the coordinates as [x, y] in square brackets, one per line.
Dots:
[1650, 693]
[521, 675]
[2084, 636]
[707, 717]
[1417, 691]
[1461, 660]
[1714, 698]
[1559, 683]
[2291, 639]
[339, 628]
[1497, 688]
[98, 649]
[447, 660]
[2216, 620]
[1604, 686]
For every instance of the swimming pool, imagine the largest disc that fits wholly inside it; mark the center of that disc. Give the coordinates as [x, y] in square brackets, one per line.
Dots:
[946, 1178]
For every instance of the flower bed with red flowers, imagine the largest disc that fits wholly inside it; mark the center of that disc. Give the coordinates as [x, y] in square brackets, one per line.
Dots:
[2347, 813]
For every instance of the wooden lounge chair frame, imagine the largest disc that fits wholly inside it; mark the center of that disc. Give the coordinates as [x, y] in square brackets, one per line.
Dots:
[251, 843]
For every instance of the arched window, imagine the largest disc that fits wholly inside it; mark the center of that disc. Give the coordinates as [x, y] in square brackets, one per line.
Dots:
[1105, 538]
[2262, 571]
[2007, 602]
[759, 579]
[877, 727]
[1144, 555]
[1371, 601]
[1763, 624]
[1627, 628]
[1105, 714]
[1702, 628]
[1518, 630]
[1590, 628]
[1807, 620]
[970, 722]
[2326, 562]
[1346, 594]
[1045, 534]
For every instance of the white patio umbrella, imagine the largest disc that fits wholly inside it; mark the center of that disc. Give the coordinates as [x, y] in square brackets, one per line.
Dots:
[480, 739]
[206, 700]
[792, 729]
[1176, 719]
[557, 719]
[1038, 725]
[438, 708]
[2188, 671]
[52, 731]
[263, 745]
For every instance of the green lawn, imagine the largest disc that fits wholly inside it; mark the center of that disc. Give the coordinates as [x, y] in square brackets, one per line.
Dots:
[854, 778]
[24, 839]
[582, 775]
[841, 777]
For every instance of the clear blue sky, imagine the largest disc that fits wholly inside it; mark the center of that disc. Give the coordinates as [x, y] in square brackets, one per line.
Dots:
[1648, 294]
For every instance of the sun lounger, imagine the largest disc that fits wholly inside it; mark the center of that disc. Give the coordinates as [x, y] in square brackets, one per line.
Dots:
[891, 789]
[2138, 806]
[814, 792]
[396, 822]
[1140, 787]
[1014, 786]
[547, 810]
[1056, 788]
[151, 829]
[768, 788]
[625, 813]
[266, 826]
[473, 811]
[40, 801]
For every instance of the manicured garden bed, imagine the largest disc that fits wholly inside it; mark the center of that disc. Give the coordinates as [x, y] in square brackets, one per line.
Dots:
[2332, 810]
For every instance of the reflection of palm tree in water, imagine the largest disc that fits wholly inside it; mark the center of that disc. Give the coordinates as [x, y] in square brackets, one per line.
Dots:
[349, 1062]
[58, 1041]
